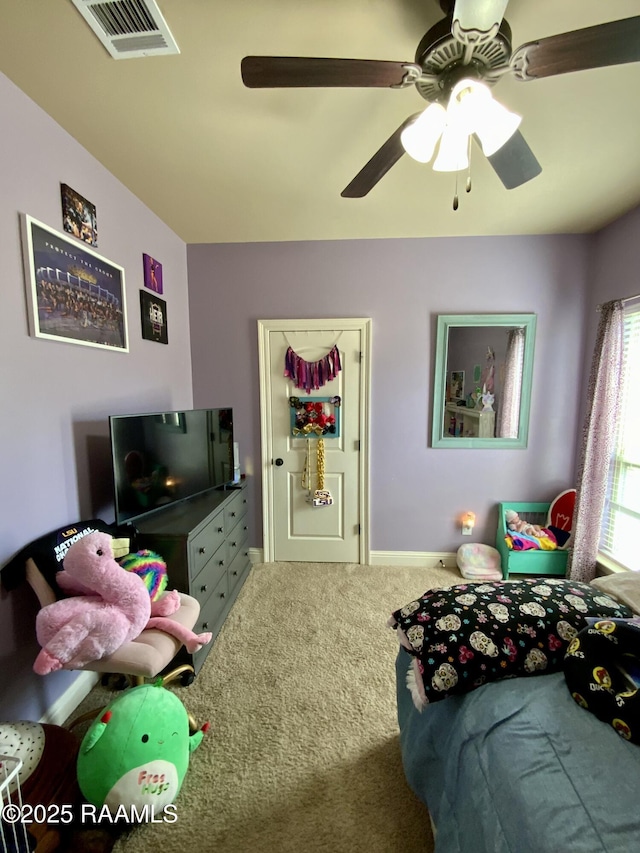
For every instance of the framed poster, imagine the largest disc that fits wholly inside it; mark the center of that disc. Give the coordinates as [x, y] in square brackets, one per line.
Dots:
[152, 273]
[153, 314]
[79, 216]
[73, 294]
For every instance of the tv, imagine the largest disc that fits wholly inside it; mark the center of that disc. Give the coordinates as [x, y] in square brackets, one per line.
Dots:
[163, 458]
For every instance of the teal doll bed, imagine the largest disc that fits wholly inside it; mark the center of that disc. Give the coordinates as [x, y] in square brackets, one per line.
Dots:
[528, 562]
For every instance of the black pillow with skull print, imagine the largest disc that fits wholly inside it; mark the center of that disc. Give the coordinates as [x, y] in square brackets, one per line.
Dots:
[464, 636]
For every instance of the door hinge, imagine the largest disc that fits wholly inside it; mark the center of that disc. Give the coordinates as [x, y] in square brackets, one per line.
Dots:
[356, 444]
[361, 356]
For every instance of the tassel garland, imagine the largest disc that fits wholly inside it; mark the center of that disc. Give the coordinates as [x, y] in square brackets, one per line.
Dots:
[310, 376]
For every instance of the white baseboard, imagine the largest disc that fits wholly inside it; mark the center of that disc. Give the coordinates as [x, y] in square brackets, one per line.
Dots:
[66, 704]
[419, 559]
[256, 555]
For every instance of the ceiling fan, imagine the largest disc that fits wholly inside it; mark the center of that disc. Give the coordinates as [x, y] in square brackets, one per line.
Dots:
[457, 62]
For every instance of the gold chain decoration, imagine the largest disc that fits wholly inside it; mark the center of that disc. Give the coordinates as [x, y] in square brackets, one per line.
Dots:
[306, 473]
[321, 496]
[320, 468]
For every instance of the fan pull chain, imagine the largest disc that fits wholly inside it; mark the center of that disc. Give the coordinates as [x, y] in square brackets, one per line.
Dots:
[456, 201]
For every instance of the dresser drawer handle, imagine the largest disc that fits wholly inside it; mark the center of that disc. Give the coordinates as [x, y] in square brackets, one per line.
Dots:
[232, 514]
[221, 562]
[205, 625]
[202, 550]
[221, 530]
[234, 573]
[234, 544]
[203, 588]
[222, 595]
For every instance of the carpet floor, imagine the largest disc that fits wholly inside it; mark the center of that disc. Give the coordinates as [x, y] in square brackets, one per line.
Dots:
[303, 752]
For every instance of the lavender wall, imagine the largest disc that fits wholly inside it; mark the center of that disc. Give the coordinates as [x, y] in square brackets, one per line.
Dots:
[56, 396]
[417, 493]
[613, 274]
[616, 264]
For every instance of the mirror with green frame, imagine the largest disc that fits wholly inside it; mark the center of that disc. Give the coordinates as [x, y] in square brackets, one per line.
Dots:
[482, 381]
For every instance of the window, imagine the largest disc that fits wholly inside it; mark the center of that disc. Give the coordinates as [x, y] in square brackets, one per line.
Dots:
[620, 532]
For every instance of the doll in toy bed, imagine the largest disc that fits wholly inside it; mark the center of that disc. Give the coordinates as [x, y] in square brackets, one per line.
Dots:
[522, 535]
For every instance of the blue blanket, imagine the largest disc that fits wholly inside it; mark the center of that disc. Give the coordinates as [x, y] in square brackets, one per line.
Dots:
[517, 766]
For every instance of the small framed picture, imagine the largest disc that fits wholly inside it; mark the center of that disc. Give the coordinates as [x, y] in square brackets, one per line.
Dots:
[153, 314]
[73, 294]
[152, 273]
[79, 216]
[457, 384]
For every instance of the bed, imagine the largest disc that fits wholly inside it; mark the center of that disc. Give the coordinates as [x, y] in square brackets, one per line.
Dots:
[517, 766]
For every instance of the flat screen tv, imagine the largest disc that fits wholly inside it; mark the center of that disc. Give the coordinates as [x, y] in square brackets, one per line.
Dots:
[163, 458]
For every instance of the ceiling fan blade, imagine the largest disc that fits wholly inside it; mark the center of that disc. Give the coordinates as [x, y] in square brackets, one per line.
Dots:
[378, 166]
[266, 72]
[613, 43]
[477, 21]
[515, 163]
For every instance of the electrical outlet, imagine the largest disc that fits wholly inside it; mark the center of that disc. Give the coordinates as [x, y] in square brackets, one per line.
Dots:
[467, 530]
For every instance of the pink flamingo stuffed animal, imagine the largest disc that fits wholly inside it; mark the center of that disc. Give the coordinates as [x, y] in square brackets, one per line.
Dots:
[108, 607]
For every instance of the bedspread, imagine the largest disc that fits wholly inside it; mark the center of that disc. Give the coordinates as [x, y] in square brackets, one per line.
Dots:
[517, 767]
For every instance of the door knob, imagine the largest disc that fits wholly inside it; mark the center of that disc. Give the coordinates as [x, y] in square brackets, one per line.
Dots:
[279, 462]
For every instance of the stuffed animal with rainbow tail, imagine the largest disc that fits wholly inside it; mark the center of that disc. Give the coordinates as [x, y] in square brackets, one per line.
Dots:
[151, 568]
[136, 752]
[152, 571]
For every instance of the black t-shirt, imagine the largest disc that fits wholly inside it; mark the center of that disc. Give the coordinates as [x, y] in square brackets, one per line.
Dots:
[48, 551]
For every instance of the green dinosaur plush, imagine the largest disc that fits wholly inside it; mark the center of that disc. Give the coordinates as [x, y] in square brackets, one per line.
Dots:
[137, 752]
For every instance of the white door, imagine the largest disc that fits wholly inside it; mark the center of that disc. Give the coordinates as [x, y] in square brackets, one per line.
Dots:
[295, 529]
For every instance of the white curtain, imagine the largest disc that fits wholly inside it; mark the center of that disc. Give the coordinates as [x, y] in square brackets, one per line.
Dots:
[598, 440]
[509, 409]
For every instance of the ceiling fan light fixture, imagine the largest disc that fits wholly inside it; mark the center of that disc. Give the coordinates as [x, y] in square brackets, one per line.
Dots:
[467, 103]
[495, 126]
[454, 143]
[419, 139]
[452, 154]
[472, 105]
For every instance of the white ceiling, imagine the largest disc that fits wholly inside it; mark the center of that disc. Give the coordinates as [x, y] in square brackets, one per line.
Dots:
[222, 163]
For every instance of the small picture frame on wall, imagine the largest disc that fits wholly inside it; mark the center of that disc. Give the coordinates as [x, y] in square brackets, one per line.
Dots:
[457, 384]
[152, 273]
[153, 315]
[79, 216]
[73, 294]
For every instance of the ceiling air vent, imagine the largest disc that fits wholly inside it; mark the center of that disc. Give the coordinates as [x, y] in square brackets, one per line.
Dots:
[128, 28]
